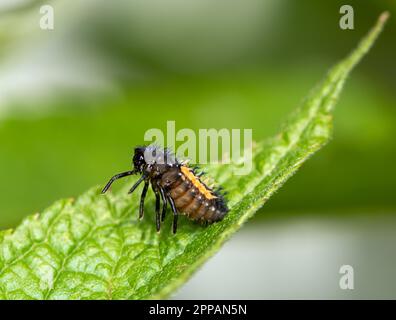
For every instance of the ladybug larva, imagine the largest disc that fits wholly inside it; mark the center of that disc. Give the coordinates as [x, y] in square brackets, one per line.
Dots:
[175, 183]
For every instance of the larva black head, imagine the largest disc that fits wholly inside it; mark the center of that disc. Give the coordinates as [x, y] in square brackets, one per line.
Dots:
[152, 155]
[138, 159]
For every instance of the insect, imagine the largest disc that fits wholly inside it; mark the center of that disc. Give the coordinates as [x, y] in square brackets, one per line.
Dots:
[175, 183]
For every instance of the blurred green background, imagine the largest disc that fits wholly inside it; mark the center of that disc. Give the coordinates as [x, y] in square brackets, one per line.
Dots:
[75, 100]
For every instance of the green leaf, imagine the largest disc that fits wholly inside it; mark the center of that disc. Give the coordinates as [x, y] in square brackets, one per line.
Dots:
[95, 247]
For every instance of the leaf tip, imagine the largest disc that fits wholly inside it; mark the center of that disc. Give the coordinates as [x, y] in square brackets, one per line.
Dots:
[384, 17]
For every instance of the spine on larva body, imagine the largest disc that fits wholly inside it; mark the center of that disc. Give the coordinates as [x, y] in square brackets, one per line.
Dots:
[193, 198]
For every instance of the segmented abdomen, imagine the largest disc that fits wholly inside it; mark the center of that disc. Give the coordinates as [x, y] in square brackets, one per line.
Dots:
[192, 197]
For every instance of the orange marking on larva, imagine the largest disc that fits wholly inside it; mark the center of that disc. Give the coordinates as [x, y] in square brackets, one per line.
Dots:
[197, 183]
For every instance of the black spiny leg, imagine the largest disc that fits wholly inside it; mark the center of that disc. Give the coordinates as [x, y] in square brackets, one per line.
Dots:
[165, 203]
[117, 176]
[157, 208]
[136, 184]
[175, 215]
[143, 196]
